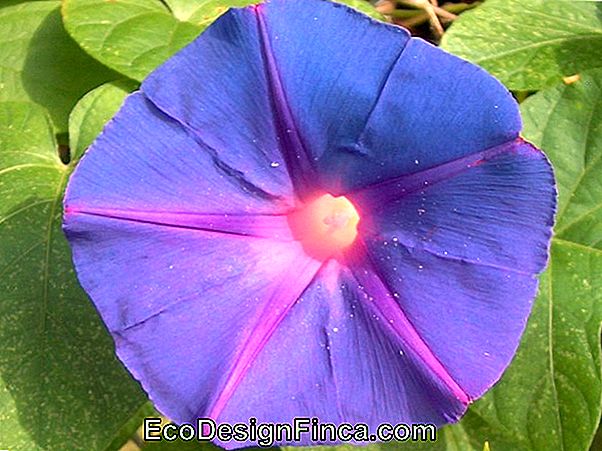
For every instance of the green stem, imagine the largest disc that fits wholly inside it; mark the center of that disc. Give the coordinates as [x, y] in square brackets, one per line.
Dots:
[406, 13]
[457, 8]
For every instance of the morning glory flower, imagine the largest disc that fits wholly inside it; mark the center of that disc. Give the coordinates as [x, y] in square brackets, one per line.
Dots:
[306, 212]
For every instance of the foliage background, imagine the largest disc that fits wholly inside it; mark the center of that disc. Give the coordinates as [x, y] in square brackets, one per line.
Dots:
[65, 68]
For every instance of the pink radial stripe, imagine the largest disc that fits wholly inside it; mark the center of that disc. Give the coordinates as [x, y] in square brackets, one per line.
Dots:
[382, 193]
[282, 300]
[295, 154]
[385, 306]
[252, 225]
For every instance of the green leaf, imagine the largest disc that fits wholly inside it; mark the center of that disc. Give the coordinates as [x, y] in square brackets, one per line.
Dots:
[570, 131]
[203, 11]
[92, 112]
[60, 382]
[135, 36]
[41, 63]
[529, 44]
[131, 427]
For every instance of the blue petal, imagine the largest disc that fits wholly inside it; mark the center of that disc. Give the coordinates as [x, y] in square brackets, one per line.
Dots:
[295, 94]
[459, 247]
[334, 358]
[369, 103]
[278, 83]
[491, 208]
[146, 169]
[180, 329]
[434, 108]
[146, 162]
[332, 62]
[217, 87]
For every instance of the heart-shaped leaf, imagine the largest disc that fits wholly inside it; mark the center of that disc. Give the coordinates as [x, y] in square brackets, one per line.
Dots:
[61, 384]
[41, 63]
[92, 112]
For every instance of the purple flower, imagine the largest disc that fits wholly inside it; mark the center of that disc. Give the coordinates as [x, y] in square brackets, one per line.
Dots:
[309, 213]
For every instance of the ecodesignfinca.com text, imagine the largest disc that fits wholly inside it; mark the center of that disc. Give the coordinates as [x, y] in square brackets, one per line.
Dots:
[299, 430]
